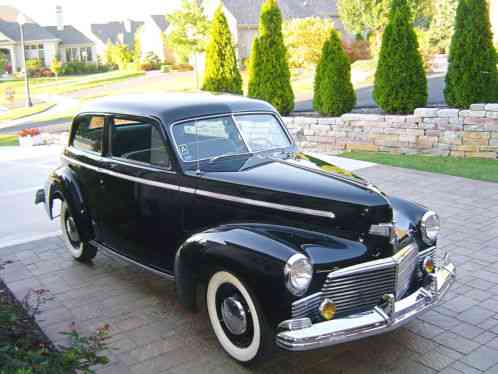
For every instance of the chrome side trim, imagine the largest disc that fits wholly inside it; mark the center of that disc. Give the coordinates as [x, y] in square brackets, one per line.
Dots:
[215, 195]
[266, 204]
[123, 176]
[110, 252]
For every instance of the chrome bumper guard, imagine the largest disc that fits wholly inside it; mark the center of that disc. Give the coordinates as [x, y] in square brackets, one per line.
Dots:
[380, 319]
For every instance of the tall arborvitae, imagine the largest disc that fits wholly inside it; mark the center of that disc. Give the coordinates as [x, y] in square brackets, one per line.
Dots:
[269, 75]
[472, 75]
[221, 73]
[400, 81]
[334, 93]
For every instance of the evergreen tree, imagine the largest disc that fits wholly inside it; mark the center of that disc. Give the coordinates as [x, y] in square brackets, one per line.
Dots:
[472, 75]
[221, 72]
[334, 93]
[400, 81]
[269, 75]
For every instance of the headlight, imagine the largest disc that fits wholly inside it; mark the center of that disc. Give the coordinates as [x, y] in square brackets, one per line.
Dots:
[430, 227]
[298, 273]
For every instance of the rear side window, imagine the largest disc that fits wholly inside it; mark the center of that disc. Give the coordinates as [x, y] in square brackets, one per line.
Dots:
[139, 141]
[89, 134]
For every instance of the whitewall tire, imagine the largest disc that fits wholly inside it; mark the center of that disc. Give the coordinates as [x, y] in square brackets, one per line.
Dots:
[80, 250]
[245, 336]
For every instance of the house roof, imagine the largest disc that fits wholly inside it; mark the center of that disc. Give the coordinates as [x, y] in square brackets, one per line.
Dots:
[160, 21]
[247, 11]
[69, 35]
[32, 31]
[112, 31]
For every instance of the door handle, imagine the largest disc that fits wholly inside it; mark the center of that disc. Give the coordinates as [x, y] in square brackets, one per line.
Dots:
[101, 181]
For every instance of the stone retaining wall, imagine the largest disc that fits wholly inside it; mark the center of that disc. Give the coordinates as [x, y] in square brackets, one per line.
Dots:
[460, 133]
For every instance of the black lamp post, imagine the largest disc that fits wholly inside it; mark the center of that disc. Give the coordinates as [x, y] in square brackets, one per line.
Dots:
[21, 19]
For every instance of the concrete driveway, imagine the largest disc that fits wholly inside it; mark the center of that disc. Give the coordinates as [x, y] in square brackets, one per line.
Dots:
[152, 333]
[22, 172]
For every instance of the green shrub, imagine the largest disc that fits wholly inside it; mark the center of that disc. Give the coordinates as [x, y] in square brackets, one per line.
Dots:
[80, 68]
[472, 76]
[400, 81]
[304, 39]
[165, 69]
[150, 62]
[221, 73]
[334, 93]
[269, 75]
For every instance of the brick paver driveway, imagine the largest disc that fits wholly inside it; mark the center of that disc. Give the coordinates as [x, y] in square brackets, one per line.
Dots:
[151, 333]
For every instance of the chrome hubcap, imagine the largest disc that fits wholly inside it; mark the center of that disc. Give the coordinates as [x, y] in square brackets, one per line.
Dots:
[71, 230]
[234, 315]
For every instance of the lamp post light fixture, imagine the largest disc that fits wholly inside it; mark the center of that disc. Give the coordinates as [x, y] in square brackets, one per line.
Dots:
[21, 19]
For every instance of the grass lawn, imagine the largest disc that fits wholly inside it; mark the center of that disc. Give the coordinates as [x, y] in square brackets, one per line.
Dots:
[473, 168]
[8, 140]
[24, 111]
[64, 84]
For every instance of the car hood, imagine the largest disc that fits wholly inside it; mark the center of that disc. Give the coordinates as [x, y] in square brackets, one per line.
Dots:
[303, 181]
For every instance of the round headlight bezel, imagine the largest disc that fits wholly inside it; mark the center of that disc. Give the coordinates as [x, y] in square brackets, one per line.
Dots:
[298, 273]
[427, 227]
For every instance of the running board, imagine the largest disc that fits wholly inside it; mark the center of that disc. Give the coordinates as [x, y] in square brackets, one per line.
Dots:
[112, 253]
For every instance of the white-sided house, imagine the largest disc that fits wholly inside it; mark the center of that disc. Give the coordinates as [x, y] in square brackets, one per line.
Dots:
[73, 44]
[152, 36]
[38, 42]
[42, 43]
[243, 16]
[117, 32]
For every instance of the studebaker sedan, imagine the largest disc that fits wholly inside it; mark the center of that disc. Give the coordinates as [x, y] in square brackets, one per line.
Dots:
[212, 191]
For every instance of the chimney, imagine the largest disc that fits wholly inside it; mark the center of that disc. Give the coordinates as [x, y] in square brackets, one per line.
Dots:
[127, 25]
[59, 18]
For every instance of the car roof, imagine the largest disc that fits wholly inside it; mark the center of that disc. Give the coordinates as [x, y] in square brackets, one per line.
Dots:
[176, 106]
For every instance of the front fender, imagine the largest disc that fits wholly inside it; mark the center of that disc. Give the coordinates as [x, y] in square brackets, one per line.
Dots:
[257, 253]
[407, 217]
[62, 184]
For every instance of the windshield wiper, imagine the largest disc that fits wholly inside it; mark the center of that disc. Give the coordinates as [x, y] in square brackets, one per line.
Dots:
[216, 158]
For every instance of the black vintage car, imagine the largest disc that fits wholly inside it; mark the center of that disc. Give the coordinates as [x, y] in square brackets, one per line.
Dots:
[211, 191]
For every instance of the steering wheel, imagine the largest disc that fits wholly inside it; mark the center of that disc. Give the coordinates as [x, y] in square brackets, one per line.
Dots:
[261, 143]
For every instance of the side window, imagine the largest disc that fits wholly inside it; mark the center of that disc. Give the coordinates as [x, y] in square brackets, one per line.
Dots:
[89, 133]
[139, 141]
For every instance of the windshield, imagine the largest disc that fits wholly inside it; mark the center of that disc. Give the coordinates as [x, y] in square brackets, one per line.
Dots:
[214, 138]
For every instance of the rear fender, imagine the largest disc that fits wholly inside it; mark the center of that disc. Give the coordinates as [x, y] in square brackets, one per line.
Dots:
[63, 185]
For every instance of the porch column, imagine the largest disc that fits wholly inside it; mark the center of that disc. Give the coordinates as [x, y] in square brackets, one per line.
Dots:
[12, 52]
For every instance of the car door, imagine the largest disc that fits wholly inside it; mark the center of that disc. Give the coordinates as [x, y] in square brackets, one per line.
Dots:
[143, 216]
[85, 158]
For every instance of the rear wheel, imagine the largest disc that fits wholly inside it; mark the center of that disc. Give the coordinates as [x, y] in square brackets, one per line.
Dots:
[236, 318]
[80, 250]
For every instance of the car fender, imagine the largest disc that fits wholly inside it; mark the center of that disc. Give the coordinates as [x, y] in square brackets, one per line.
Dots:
[63, 185]
[257, 255]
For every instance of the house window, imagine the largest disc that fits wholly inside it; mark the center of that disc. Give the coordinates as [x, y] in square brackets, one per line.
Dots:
[35, 52]
[86, 54]
[72, 54]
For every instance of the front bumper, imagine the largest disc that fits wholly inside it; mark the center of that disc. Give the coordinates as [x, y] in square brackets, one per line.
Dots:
[379, 320]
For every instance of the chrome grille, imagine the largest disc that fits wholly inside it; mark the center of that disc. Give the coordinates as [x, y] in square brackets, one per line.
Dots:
[361, 289]
[407, 260]
[307, 307]
[362, 286]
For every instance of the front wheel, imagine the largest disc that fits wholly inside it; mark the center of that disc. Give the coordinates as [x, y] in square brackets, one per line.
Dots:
[80, 250]
[236, 318]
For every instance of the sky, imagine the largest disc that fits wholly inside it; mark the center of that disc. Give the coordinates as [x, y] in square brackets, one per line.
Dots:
[81, 12]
